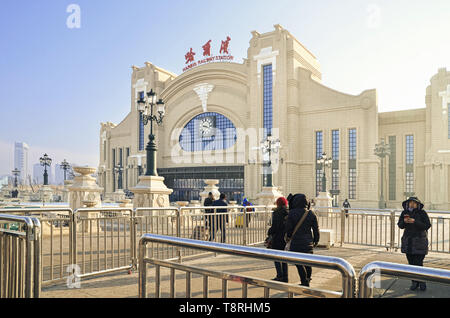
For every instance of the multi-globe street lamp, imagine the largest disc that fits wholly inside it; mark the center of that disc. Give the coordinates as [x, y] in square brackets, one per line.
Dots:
[146, 106]
[382, 150]
[65, 166]
[268, 146]
[45, 161]
[16, 173]
[326, 162]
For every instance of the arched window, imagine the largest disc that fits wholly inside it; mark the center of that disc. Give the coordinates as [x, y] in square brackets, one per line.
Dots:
[207, 132]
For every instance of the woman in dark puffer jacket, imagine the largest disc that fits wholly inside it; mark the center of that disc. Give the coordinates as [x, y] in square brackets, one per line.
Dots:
[306, 237]
[278, 231]
[416, 223]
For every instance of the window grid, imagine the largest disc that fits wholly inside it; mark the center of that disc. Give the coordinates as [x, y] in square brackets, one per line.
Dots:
[352, 144]
[335, 144]
[319, 152]
[319, 144]
[319, 175]
[335, 179]
[410, 164]
[192, 141]
[393, 168]
[410, 182]
[267, 99]
[352, 184]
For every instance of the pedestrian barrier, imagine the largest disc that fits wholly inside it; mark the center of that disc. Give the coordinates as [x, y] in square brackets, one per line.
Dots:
[20, 270]
[56, 249]
[346, 270]
[375, 270]
[104, 240]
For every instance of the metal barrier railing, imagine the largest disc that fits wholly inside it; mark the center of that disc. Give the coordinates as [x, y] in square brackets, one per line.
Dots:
[374, 270]
[333, 263]
[106, 239]
[103, 240]
[20, 270]
[378, 228]
[56, 249]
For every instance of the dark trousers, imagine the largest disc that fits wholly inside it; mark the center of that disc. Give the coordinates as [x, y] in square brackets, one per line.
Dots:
[216, 226]
[415, 260]
[282, 270]
[305, 272]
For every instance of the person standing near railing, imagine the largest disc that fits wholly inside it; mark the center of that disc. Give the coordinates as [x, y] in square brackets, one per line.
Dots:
[277, 232]
[416, 223]
[220, 219]
[208, 219]
[346, 206]
[307, 235]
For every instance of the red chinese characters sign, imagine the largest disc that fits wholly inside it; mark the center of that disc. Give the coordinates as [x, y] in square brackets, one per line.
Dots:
[207, 58]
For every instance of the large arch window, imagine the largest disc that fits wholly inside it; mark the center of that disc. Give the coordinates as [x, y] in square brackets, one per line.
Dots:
[207, 132]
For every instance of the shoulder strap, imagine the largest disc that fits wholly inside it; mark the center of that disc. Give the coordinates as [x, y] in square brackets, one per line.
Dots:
[300, 222]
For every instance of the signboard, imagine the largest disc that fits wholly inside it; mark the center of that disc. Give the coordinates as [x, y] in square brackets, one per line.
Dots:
[223, 56]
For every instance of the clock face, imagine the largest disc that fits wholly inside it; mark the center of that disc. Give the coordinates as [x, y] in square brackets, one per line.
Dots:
[207, 126]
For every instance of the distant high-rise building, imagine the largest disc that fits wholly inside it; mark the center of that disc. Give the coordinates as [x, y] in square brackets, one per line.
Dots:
[38, 174]
[59, 175]
[21, 161]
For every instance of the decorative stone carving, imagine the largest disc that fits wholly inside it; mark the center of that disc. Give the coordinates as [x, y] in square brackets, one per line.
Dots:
[151, 192]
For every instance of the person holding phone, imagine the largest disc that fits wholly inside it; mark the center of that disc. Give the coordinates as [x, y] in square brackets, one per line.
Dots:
[416, 223]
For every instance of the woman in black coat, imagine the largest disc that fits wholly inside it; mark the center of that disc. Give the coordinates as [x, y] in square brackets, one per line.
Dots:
[416, 223]
[306, 237]
[277, 231]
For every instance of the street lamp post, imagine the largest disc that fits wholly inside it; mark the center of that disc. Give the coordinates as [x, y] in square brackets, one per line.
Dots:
[146, 109]
[268, 146]
[382, 150]
[65, 166]
[45, 161]
[16, 173]
[119, 170]
[326, 162]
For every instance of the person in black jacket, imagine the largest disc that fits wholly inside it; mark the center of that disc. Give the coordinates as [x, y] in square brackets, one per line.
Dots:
[208, 219]
[415, 221]
[277, 231]
[306, 237]
[220, 219]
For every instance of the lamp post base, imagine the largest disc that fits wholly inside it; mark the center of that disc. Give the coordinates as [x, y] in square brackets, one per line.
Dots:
[268, 196]
[151, 192]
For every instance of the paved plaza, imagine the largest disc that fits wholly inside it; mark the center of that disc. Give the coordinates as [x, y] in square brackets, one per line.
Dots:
[125, 285]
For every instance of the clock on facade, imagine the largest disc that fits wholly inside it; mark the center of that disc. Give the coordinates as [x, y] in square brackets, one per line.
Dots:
[207, 126]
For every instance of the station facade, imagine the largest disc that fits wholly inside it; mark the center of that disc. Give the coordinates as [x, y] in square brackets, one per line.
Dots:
[219, 111]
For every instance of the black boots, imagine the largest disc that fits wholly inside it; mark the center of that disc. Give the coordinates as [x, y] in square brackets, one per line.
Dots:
[415, 285]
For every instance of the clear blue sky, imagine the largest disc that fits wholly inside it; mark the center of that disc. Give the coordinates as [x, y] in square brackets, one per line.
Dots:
[57, 84]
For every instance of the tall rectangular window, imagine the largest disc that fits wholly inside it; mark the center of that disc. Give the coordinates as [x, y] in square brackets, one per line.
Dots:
[409, 165]
[448, 111]
[141, 126]
[113, 166]
[335, 138]
[393, 168]
[267, 99]
[319, 168]
[352, 164]
[121, 157]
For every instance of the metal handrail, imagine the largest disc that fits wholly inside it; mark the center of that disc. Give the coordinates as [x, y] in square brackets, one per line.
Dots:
[32, 269]
[333, 263]
[369, 271]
